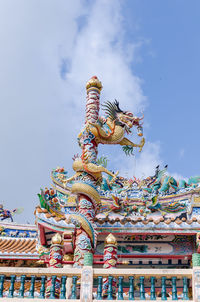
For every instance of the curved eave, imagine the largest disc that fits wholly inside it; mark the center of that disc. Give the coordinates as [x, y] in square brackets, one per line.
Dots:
[43, 217]
[18, 248]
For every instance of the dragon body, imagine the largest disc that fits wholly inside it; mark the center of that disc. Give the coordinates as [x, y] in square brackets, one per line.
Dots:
[109, 130]
[114, 135]
[166, 207]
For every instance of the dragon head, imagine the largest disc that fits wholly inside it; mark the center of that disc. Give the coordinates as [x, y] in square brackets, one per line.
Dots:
[125, 119]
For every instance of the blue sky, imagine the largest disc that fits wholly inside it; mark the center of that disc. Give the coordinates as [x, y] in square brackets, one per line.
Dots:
[146, 53]
[169, 67]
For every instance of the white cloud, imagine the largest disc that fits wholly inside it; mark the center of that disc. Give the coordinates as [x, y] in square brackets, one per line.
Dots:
[34, 123]
[101, 50]
[46, 57]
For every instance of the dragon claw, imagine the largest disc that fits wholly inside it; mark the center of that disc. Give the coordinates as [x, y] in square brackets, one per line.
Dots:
[142, 144]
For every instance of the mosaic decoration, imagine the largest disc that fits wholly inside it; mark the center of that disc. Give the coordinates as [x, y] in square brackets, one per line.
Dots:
[17, 233]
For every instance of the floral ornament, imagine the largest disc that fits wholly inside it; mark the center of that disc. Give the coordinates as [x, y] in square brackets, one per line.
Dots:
[84, 243]
[85, 204]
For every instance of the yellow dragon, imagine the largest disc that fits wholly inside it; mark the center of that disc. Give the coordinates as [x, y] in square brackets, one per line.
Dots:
[109, 130]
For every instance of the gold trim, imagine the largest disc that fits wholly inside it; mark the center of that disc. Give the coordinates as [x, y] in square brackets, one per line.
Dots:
[111, 240]
[93, 83]
[59, 184]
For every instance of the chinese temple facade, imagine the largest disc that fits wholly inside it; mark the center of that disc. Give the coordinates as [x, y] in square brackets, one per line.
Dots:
[101, 236]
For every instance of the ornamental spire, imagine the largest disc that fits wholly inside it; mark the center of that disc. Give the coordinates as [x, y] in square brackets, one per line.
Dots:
[94, 84]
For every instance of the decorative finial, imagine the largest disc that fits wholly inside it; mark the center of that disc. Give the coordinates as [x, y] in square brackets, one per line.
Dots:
[110, 239]
[68, 257]
[57, 239]
[94, 83]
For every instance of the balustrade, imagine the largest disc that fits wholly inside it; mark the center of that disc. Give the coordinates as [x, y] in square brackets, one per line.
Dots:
[146, 284]
[132, 284]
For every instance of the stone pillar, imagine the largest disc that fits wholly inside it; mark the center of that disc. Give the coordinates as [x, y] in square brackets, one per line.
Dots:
[86, 294]
[110, 262]
[55, 260]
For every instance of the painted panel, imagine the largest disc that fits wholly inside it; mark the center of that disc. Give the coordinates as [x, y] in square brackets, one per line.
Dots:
[151, 245]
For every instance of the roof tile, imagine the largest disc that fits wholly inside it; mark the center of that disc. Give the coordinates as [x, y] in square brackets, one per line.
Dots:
[17, 246]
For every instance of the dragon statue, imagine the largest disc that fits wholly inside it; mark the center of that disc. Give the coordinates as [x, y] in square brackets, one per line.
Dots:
[88, 172]
[162, 183]
[100, 130]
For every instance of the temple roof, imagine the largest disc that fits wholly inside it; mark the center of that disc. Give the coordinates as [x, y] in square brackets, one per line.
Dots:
[134, 224]
[18, 241]
[18, 248]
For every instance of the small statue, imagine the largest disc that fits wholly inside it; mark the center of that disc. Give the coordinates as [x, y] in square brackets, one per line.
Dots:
[5, 214]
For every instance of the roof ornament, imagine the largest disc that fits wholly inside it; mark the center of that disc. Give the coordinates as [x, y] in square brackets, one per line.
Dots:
[7, 214]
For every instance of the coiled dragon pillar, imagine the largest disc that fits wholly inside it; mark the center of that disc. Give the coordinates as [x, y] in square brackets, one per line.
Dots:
[110, 129]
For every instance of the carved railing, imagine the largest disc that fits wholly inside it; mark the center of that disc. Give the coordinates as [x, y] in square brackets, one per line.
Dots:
[147, 284]
[86, 284]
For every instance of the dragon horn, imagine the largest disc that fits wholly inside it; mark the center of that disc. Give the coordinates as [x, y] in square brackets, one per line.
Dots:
[107, 103]
[109, 109]
[108, 106]
[116, 103]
